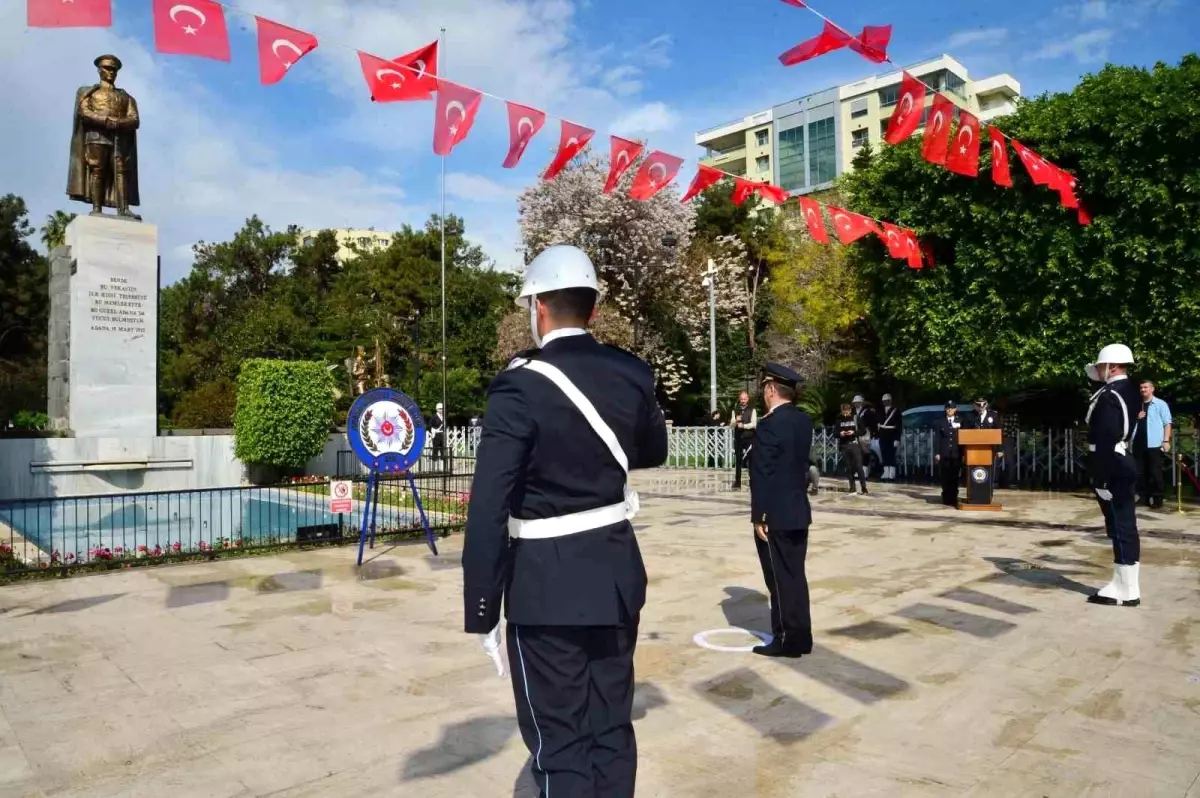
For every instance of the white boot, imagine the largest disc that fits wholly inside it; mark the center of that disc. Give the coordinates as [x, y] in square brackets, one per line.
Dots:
[891, 473]
[1133, 591]
[1113, 592]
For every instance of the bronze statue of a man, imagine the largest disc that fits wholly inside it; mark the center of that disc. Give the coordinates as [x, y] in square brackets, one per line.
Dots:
[103, 168]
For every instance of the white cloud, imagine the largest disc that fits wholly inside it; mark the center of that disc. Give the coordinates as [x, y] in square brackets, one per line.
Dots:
[654, 53]
[622, 80]
[1088, 47]
[976, 36]
[1093, 10]
[477, 188]
[653, 117]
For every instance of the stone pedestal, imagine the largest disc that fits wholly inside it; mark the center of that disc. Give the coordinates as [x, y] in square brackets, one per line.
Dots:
[104, 329]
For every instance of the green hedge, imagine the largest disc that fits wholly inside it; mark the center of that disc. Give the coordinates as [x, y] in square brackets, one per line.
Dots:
[284, 411]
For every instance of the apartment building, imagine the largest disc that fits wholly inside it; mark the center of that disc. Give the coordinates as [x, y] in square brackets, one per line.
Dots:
[351, 242]
[804, 144]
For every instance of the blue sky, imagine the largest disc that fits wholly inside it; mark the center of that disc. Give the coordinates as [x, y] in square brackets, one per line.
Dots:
[216, 146]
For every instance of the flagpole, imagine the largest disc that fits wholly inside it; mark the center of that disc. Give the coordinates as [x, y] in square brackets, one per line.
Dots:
[442, 224]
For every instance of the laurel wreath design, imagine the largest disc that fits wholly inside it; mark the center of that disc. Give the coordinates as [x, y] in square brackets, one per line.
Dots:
[364, 429]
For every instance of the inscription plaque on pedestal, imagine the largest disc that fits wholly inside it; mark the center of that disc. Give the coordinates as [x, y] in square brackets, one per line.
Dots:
[113, 328]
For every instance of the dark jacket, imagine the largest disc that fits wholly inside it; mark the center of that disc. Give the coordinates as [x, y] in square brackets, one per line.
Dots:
[946, 438]
[1112, 419]
[990, 419]
[890, 423]
[539, 458]
[779, 469]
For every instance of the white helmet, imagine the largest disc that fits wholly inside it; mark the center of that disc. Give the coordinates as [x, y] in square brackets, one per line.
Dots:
[559, 266]
[858, 400]
[1113, 353]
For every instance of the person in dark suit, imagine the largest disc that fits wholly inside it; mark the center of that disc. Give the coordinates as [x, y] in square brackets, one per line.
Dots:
[947, 454]
[548, 526]
[743, 421]
[780, 511]
[1112, 422]
[987, 418]
[890, 428]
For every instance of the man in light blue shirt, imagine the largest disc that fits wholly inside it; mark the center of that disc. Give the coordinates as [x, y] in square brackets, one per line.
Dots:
[1152, 444]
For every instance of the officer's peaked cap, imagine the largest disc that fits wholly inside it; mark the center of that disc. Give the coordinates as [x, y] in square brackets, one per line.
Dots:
[951, 403]
[774, 372]
[108, 60]
[557, 267]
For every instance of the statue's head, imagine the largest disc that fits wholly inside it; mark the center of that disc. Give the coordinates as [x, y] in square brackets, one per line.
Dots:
[108, 66]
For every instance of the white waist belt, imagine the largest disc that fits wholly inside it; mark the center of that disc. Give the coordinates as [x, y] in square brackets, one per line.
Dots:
[1120, 448]
[541, 528]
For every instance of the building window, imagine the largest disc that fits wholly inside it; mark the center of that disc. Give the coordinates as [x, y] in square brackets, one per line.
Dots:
[883, 126]
[308, 241]
[858, 138]
[791, 158]
[858, 108]
[822, 151]
[888, 95]
[761, 137]
[763, 163]
[363, 241]
[956, 84]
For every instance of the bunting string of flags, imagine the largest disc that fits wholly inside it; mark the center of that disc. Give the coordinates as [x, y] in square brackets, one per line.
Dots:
[961, 157]
[198, 28]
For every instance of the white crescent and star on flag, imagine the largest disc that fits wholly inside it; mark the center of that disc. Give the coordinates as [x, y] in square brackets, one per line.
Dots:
[662, 170]
[906, 105]
[455, 105]
[199, 15]
[963, 143]
[286, 44]
[420, 64]
[396, 82]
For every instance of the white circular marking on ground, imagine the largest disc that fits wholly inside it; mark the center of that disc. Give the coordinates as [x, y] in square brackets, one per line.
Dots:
[701, 639]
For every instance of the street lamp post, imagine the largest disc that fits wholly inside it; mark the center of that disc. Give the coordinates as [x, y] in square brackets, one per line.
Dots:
[710, 279]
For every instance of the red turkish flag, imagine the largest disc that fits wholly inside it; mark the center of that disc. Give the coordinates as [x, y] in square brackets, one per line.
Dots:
[621, 155]
[893, 238]
[872, 43]
[456, 108]
[906, 117]
[192, 27]
[796, 3]
[572, 138]
[964, 153]
[937, 130]
[412, 76]
[830, 39]
[851, 226]
[75, 14]
[812, 215]
[742, 189]
[912, 249]
[770, 193]
[279, 48]
[1042, 172]
[656, 172]
[1000, 172]
[1065, 185]
[523, 124]
[1085, 218]
[705, 176]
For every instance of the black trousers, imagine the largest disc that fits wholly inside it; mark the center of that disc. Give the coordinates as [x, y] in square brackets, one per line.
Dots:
[887, 451]
[1150, 475]
[852, 456]
[949, 470]
[782, 560]
[573, 687]
[1120, 522]
[740, 445]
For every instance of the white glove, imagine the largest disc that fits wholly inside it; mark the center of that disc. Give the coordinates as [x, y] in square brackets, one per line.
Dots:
[491, 647]
[1105, 495]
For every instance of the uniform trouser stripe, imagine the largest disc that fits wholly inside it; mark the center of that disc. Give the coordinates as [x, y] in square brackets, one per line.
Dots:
[537, 756]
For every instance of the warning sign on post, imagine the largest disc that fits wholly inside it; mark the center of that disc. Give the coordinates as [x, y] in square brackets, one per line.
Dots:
[341, 496]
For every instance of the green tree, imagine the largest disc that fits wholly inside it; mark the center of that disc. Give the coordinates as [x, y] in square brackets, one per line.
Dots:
[54, 231]
[1021, 293]
[24, 313]
[284, 412]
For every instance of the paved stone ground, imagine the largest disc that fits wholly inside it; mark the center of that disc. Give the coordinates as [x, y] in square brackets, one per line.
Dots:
[956, 656]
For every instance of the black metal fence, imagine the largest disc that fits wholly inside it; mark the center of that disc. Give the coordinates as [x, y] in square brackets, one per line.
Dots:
[126, 529]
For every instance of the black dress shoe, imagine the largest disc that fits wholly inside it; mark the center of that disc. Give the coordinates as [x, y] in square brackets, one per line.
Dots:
[772, 649]
[1107, 601]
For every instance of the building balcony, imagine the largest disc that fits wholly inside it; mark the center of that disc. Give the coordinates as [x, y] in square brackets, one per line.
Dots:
[725, 157]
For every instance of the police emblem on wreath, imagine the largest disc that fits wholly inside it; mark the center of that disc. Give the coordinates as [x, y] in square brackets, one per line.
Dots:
[386, 430]
[979, 475]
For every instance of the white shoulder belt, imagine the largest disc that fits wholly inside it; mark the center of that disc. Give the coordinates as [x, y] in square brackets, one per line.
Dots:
[540, 528]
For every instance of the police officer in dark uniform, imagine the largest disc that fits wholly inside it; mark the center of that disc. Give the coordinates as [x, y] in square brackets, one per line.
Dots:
[987, 418]
[890, 427]
[780, 511]
[947, 454]
[548, 526]
[1112, 421]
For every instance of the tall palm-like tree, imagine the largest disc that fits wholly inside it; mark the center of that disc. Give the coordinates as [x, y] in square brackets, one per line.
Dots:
[54, 231]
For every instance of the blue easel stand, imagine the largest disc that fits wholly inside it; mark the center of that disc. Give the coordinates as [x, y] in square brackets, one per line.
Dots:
[371, 514]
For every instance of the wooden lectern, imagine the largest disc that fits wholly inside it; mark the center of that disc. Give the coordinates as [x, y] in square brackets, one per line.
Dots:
[979, 460]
